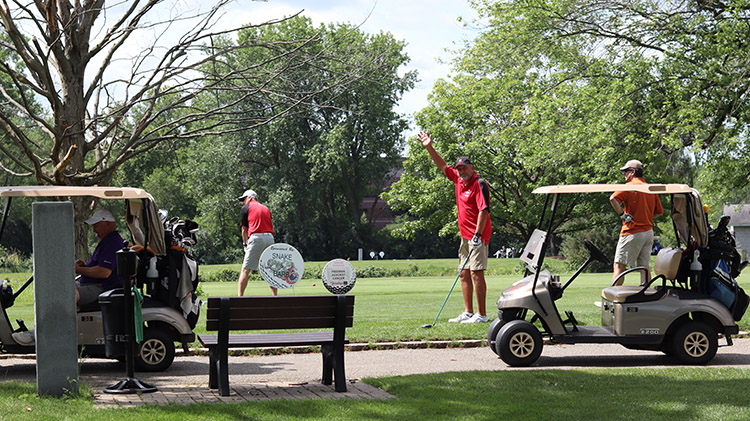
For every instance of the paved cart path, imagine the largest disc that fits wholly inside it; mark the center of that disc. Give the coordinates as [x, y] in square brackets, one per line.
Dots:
[297, 376]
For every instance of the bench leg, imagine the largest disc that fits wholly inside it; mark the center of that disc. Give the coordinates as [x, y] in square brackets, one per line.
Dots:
[327, 351]
[223, 373]
[338, 367]
[213, 383]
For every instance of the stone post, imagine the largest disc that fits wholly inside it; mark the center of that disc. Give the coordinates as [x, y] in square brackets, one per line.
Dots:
[54, 298]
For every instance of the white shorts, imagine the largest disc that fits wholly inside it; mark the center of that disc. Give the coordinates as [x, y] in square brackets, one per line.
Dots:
[635, 249]
[256, 244]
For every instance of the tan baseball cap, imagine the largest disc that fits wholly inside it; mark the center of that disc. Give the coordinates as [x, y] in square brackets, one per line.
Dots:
[633, 163]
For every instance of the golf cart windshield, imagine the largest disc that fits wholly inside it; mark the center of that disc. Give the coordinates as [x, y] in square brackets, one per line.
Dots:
[532, 252]
[141, 212]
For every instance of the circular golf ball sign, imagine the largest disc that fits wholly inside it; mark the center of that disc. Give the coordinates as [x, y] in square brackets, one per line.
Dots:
[281, 266]
[339, 276]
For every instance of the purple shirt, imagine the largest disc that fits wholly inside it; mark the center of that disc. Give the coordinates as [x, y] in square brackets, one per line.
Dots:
[105, 255]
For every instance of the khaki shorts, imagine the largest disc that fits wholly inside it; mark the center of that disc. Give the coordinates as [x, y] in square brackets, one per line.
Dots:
[635, 249]
[256, 244]
[478, 259]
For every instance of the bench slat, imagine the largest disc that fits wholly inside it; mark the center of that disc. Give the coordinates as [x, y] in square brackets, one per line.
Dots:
[271, 339]
[272, 324]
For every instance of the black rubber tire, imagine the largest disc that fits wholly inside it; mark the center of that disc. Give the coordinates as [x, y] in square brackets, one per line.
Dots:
[695, 343]
[519, 343]
[492, 332]
[156, 352]
[503, 317]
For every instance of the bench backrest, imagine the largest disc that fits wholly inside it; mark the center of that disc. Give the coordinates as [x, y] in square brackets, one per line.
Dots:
[281, 312]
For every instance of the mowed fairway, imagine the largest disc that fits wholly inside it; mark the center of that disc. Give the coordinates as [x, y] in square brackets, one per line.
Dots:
[393, 309]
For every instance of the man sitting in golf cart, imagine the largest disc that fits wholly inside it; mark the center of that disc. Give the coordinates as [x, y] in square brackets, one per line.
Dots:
[99, 274]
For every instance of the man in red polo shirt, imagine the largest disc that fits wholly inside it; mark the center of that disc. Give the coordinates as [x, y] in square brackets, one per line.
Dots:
[257, 235]
[473, 202]
[637, 211]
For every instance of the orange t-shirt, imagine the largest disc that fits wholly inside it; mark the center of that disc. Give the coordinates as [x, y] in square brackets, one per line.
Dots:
[642, 206]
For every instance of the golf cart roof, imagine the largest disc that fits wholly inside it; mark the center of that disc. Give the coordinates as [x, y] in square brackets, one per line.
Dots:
[605, 188]
[65, 191]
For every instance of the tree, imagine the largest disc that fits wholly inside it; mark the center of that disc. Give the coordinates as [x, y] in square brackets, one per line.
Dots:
[312, 164]
[563, 91]
[106, 98]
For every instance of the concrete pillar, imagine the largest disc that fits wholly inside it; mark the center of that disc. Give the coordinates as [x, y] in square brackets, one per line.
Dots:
[54, 298]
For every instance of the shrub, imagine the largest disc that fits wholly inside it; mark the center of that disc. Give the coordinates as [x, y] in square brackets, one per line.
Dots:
[13, 262]
[222, 275]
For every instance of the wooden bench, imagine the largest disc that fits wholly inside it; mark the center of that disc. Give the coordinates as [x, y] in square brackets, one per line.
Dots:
[225, 314]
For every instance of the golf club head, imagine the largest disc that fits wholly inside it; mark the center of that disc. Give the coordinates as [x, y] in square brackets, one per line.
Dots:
[427, 326]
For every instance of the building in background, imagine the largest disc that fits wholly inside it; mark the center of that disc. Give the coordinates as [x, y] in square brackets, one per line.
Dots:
[740, 223]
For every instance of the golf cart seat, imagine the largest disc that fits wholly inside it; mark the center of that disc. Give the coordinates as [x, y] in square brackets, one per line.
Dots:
[666, 266]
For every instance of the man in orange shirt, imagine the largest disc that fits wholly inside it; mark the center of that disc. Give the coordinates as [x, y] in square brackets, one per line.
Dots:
[637, 211]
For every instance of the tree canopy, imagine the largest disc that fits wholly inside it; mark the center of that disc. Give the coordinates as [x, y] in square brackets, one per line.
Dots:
[566, 91]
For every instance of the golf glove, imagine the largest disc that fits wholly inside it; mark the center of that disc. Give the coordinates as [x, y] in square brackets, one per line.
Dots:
[626, 217]
[476, 241]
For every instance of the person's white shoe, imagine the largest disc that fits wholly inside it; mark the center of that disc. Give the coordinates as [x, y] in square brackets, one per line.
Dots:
[461, 317]
[26, 338]
[477, 318]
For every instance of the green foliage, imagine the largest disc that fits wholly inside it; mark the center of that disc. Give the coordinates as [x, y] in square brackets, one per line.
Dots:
[561, 92]
[11, 261]
[223, 275]
[603, 237]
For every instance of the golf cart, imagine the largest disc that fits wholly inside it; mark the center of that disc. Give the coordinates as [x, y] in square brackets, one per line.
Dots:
[691, 301]
[166, 274]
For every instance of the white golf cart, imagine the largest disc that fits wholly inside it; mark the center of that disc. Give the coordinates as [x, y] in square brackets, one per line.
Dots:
[169, 277]
[677, 312]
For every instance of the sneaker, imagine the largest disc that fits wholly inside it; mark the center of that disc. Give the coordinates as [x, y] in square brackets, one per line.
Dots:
[27, 337]
[477, 318]
[462, 317]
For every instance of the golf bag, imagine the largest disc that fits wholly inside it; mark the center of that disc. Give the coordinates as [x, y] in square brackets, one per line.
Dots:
[173, 277]
[722, 265]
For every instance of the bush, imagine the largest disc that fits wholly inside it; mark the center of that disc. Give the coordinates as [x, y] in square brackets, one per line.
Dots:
[222, 275]
[13, 262]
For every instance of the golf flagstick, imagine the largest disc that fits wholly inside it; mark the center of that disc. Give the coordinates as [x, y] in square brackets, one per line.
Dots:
[427, 326]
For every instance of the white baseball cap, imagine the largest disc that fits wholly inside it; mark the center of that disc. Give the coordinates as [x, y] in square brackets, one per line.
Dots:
[101, 215]
[248, 193]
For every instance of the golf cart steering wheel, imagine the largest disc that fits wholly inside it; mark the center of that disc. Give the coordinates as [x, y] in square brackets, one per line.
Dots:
[595, 252]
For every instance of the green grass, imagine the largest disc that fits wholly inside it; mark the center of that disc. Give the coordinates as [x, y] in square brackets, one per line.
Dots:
[584, 394]
[394, 308]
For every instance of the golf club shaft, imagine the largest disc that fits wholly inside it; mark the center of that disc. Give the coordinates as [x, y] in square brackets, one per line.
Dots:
[471, 249]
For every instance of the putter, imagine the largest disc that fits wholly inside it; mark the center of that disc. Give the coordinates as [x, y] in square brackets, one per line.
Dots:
[427, 326]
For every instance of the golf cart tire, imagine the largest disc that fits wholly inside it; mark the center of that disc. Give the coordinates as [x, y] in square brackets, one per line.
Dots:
[695, 343]
[503, 317]
[156, 352]
[519, 343]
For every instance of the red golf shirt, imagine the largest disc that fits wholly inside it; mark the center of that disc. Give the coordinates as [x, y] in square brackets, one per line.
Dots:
[471, 198]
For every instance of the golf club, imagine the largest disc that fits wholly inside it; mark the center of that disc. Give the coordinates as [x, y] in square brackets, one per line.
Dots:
[427, 326]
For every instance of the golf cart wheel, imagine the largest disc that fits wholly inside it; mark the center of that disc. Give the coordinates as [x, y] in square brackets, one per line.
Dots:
[503, 317]
[519, 343]
[695, 343]
[156, 352]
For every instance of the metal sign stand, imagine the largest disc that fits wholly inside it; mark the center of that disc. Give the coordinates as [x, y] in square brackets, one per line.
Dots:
[126, 269]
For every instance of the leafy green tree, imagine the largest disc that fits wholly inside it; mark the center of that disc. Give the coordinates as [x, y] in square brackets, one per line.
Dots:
[311, 163]
[565, 91]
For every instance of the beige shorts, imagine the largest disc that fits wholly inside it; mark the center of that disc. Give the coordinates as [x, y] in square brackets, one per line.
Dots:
[478, 259]
[635, 249]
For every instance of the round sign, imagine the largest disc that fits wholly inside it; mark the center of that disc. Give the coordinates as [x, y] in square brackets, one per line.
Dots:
[281, 265]
[339, 276]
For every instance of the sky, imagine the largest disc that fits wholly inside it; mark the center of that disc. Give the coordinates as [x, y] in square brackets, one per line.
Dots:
[428, 27]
